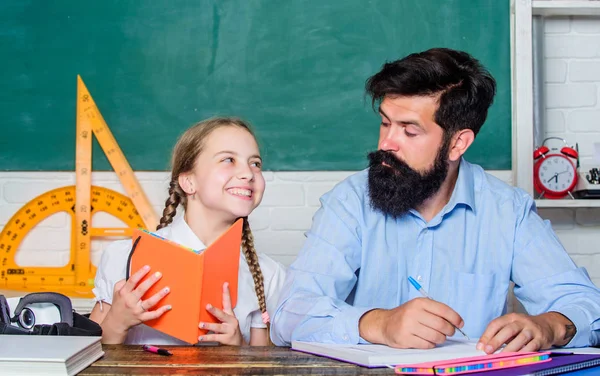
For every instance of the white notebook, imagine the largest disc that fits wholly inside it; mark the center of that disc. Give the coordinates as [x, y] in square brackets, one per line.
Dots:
[577, 350]
[47, 355]
[382, 356]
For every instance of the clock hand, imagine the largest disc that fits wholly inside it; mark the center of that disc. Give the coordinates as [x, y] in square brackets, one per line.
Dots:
[555, 176]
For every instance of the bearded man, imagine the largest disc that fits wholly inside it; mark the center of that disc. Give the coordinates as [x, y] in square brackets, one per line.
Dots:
[421, 210]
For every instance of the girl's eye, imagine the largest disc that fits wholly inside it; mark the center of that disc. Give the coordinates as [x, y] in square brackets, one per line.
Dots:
[256, 164]
[228, 159]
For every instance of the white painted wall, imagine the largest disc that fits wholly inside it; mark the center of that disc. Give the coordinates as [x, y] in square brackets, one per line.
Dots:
[572, 75]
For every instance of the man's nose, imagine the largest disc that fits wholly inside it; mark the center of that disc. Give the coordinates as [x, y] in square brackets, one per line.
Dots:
[388, 143]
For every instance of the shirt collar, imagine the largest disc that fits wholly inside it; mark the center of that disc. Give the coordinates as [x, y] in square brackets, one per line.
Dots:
[464, 189]
[183, 234]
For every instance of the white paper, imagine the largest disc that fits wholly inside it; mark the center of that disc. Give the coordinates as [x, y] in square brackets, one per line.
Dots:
[578, 350]
[380, 355]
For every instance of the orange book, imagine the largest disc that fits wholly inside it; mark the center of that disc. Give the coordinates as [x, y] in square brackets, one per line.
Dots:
[195, 278]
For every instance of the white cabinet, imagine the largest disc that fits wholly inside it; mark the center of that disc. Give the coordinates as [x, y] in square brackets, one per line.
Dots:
[522, 12]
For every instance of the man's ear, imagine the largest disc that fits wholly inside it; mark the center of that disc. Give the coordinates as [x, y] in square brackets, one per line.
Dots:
[461, 141]
[187, 184]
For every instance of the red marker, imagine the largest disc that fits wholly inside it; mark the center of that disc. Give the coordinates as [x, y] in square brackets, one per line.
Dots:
[156, 350]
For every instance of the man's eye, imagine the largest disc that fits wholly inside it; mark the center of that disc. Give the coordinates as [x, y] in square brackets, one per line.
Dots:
[384, 124]
[408, 134]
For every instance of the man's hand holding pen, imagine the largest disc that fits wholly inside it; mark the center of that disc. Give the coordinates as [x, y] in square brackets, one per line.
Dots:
[421, 323]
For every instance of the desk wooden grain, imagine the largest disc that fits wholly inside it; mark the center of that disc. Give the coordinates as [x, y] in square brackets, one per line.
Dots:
[221, 360]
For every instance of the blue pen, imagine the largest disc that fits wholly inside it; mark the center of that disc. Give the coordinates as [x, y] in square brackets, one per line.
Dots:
[424, 293]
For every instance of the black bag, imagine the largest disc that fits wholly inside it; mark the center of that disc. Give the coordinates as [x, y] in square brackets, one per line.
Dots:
[23, 322]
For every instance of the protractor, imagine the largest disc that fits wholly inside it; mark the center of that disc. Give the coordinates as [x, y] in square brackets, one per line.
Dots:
[60, 279]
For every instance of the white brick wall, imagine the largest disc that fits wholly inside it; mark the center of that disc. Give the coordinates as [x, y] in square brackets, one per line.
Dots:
[573, 111]
[572, 52]
[279, 223]
[572, 75]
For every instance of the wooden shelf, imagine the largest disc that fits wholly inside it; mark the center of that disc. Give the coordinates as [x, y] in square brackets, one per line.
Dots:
[567, 203]
[565, 8]
[522, 87]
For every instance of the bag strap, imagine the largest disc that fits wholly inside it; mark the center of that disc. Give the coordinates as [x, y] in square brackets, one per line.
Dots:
[82, 326]
[6, 328]
[4, 310]
[75, 325]
[62, 302]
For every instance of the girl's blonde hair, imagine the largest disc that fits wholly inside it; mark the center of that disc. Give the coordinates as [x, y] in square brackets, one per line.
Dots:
[186, 151]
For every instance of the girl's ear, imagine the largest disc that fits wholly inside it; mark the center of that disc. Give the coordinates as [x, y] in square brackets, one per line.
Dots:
[187, 184]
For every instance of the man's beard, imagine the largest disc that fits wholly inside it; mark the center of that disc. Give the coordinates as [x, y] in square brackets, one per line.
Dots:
[396, 188]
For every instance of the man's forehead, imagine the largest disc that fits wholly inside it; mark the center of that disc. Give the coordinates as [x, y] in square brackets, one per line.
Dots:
[409, 109]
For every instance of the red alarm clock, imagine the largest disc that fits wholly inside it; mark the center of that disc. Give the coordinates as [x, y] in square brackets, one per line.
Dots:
[554, 170]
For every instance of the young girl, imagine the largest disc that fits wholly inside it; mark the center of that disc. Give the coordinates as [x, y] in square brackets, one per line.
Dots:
[217, 178]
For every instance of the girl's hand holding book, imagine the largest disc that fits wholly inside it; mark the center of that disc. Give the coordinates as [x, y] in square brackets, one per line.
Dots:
[128, 309]
[228, 331]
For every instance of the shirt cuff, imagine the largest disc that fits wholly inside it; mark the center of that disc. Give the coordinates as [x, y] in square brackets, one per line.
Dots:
[345, 326]
[100, 296]
[256, 320]
[580, 320]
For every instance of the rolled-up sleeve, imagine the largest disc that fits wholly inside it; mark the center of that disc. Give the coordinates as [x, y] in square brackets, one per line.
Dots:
[110, 270]
[546, 279]
[312, 303]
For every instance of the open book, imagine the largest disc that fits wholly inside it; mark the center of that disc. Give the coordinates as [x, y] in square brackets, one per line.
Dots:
[382, 356]
[194, 278]
[47, 355]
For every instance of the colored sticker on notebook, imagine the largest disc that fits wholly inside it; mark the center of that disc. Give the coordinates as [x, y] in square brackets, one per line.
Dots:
[474, 364]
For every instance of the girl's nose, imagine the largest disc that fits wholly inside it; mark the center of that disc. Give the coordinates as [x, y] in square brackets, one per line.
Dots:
[245, 173]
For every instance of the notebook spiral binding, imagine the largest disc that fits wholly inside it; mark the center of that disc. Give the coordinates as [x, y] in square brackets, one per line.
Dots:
[568, 368]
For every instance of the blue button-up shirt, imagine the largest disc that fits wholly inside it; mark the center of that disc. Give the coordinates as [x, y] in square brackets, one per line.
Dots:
[356, 259]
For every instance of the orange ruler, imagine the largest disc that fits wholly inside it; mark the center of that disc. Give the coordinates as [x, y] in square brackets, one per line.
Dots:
[80, 202]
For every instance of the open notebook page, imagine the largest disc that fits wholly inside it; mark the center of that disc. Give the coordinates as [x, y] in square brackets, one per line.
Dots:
[380, 355]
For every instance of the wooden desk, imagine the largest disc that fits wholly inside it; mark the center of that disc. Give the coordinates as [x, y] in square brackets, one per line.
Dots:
[221, 360]
[230, 360]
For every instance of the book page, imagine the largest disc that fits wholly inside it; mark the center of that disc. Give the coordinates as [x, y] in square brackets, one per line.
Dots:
[451, 349]
[577, 350]
[451, 345]
[381, 355]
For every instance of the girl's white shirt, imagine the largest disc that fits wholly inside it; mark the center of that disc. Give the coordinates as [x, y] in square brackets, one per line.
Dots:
[114, 261]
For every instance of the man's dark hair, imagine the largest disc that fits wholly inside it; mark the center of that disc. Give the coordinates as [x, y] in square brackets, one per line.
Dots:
[465, 88]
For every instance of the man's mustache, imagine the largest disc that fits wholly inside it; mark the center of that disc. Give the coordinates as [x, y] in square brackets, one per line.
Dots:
[382, 157]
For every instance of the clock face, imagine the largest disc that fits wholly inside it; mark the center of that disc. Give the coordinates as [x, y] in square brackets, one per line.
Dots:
[556, 173]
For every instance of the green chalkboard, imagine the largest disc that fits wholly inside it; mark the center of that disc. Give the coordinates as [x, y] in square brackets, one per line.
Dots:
[295, 69]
